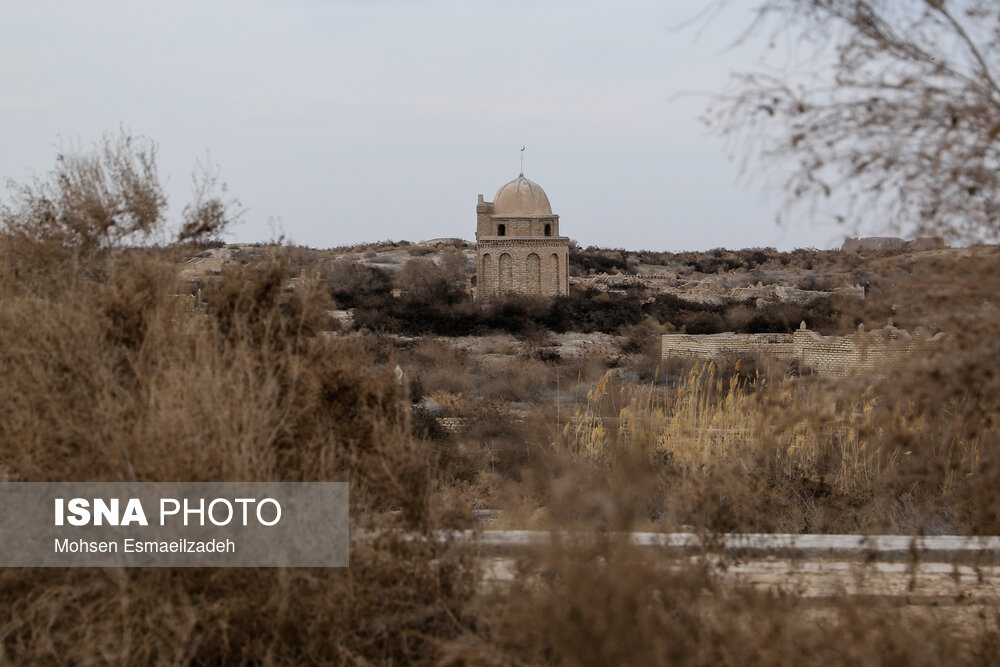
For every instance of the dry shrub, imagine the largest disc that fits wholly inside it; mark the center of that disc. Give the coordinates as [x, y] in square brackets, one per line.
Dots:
[419, 250]
[501, 435]
[252, 304]
[795, 455]
[455, 265]
[119, 380]
[750, 368]
[352, 283]
[396, 604]
[433, 366]
[613, 605]
[91, 200]
[516, 379]
[638, 338]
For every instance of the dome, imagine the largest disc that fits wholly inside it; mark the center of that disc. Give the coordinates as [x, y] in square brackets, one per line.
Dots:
[521, 197]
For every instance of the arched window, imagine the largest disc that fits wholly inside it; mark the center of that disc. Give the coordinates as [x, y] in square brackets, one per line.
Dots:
[533, 271]
[501, 230]
[506, 277]
[548, 229]
[487, 283]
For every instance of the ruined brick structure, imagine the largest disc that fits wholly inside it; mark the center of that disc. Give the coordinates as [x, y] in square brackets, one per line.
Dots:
[706, 292]
[707, 346]
[892, 243]
[519, 249]
[859, 353]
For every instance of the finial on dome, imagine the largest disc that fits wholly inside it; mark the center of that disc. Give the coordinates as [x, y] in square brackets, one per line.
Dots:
[521, 175]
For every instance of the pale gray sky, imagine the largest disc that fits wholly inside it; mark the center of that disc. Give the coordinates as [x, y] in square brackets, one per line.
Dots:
[358, 121]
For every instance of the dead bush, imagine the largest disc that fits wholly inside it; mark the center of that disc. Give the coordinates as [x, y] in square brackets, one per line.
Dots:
[611, 604]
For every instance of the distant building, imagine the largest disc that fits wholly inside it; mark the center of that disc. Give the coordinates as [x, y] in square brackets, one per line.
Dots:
[891, 243]
[518, 244]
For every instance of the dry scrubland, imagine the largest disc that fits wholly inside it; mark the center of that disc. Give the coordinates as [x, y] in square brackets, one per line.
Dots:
[109, 373]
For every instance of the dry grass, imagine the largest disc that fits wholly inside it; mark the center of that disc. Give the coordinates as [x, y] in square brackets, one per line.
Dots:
[120, 380]
[109, 374]
[707, 420]
[852, 456]
[612, 605]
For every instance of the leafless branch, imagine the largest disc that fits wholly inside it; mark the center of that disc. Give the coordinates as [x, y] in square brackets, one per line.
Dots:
[897, 122]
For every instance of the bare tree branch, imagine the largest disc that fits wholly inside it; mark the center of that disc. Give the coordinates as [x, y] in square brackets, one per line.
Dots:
[111, 196]
[210, 213]
[895, 123]
[970, 45]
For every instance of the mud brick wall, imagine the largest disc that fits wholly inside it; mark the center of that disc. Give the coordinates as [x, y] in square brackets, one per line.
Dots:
[863, 353]
[452, 424]
[690, 346]
[860, 353]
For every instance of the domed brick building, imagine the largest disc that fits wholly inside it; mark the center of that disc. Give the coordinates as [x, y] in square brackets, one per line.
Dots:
[519, 247]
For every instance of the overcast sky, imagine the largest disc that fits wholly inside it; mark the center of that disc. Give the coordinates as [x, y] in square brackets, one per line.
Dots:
[342, 122]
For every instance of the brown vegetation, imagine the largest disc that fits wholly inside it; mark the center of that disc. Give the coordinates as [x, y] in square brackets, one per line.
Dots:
[111, 373]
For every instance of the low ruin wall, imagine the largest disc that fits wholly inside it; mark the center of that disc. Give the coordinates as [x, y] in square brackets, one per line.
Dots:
[871, 353]
[874, 353]
[712, 293]
[690, 346]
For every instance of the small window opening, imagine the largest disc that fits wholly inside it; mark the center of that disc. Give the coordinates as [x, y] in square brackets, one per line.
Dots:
[548, 230]
[501, 230]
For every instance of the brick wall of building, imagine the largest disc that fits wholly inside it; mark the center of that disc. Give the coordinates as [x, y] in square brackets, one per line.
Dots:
[524, 260]
[525, 266]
